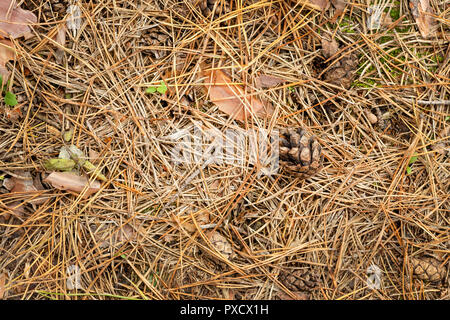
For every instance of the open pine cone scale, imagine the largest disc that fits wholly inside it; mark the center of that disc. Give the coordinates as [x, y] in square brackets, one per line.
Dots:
[300, 154]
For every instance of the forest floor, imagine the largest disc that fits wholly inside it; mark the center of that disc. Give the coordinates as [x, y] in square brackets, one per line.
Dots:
[368, 82]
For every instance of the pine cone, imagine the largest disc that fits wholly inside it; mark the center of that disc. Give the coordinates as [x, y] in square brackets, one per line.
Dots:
[302, 280]
[156, 38]
[428, 269]
[299, 153]
[343, 72]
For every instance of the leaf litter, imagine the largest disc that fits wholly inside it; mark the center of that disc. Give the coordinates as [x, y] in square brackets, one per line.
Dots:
[234, 99]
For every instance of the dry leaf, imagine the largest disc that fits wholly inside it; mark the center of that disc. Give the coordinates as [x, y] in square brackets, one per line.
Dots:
[6, 53]
[2, 285]
[13, 114]
[60, 38]
[421, 11]
[221, 244]
[266, 81]
[8, 183]
[72, 182]
[329, 48]
[126, 233]
[339, 5]
[15, 21]
[26, 185]
[233, 99]
[16, 208]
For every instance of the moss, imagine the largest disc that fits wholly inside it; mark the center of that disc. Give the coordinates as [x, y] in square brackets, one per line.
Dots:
[438, 58]
[384, 39]
[368, 83]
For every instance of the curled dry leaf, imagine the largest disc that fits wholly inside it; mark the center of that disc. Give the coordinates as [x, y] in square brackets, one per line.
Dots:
[6, 53]
[14, 21]
[329, 47]
[339, 5]
[233, 99]
[221, 244]
[422, 13]
[26, 186]
[72, 182]
[266, 81]
[113, 237]
[16, 208]
[60, 38]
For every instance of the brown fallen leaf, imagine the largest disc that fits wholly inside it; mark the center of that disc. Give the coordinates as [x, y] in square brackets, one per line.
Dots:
[15, 21]
[339, 5]
[329, 47]
[14, 114]
[60, 38]
[26, 186]
[233, 99]
[422, 13]
[266, 81]
[6, 53]
[16, 209]
[72, 182]
[113, 237]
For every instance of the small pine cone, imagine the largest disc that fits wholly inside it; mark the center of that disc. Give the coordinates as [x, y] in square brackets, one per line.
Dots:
[300, 154]
[156, 38]
[428, 269]
[343, 72]
[299, 280]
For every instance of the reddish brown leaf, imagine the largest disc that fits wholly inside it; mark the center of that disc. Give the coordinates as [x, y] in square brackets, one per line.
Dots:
[266, 81]
[16, 208]
[26, 186]
[15, 21]
[233, 99]
[72, 182]
[126, 233]
[422, 13]
[60, 38]
[6, 54]
[329, 48]
[339, 5]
